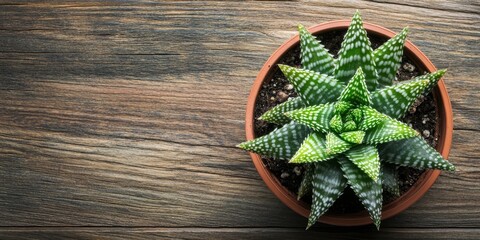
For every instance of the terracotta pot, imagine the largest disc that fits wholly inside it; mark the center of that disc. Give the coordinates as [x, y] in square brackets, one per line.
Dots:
[444, 129]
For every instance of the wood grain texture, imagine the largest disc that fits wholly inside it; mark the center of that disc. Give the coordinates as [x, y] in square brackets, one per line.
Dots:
[235, 233]
[127, 114]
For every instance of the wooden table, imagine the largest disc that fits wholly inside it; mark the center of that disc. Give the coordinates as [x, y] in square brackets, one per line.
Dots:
[120, 120]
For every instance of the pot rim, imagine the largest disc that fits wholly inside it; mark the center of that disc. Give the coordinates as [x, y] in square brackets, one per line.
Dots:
[425, 181]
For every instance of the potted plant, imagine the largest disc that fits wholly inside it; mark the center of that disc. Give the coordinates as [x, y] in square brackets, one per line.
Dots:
[341, 126]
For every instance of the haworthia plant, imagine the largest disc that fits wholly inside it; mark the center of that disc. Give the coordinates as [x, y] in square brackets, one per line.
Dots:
[344, 125]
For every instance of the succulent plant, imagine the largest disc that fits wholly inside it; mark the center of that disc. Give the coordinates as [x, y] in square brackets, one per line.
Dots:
[343, 126]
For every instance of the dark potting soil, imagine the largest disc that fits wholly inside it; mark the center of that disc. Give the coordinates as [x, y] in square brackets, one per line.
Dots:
[422, 117]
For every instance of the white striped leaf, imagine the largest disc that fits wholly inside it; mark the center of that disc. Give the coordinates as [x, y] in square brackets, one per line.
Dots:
[356, 91]
[432, 78]
[306, 184]
[276, 114]
[349, 126]
[342, 107]
[336, 145]
[366, 158]
[388, 58]
[312, 150]
[395, 100]
[357, 115]
[389, 130]
[282, 143]
[336, 124]
[316, 117]
[314, 88]
[314, 56]
[353, 136]
[390, 179]
[328, 185]
[413, 152]
[368, 191]
[355, 52]
[371, 118]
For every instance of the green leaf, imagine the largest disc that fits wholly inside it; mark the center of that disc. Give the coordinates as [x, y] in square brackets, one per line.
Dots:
[357, 115]
[395, 100]
[413, 152]
[349, 126]
[366, 158]
[306, 184]
[388, 58]
[314, 56]
[390, 179]
[328, 185]
[336, 145]
[389, 130]
[276, 114]
[342, 107]
[316, 117]
[368, 191]
[356, 51]
[432, 78]
[371, 118]
[336, 124]
[314, 88]
[281, 143]
[356, 91]
[353, 136]
[312, 150]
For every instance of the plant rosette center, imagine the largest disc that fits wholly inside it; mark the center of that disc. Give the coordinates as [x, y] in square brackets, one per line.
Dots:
[350, 123]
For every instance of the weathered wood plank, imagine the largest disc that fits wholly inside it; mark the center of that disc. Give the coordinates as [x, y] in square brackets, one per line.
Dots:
[235, 233]
[126, 115]
[449, 6]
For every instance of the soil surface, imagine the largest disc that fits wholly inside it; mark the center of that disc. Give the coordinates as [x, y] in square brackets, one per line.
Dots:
[422, 117]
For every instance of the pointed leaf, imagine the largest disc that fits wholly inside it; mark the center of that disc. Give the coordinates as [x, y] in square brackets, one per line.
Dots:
[353, 136]
[342, 107]
[366, 158]
[306, 184]
[312, 150]
[368, 191]
[314, 56]
[371, 118]
[349, 126]
[390, 179]
[316, 117]
[281, 143]
[389, 130]
[413, 152]
[328, 185]
[314, 88]
[395, 100]
[336, 145]
[336, 124]
[276, 114]
[357, 115]
[388, 58]
[356, 51]
[432, 78]
[356, 91]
